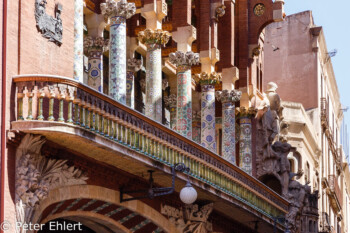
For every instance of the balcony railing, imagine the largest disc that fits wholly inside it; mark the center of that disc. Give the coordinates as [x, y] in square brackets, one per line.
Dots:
[66, 101]
[335, 192]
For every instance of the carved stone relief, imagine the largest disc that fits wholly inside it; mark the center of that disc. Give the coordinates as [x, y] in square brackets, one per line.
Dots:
[190, 219]
[36, 175]
[51, 28]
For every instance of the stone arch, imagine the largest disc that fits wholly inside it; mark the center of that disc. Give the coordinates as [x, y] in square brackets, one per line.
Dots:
[84, 200]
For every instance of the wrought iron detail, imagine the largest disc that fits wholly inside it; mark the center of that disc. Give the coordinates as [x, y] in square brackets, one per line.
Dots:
[51, 28]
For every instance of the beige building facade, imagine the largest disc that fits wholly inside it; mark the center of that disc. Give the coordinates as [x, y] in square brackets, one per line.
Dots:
[298, 60]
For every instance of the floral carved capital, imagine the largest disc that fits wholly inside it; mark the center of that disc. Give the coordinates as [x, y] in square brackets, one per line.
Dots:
[227, 96]
[208, 79]
[95, 43]
[184, 59]
[122, 8]
[158, 36]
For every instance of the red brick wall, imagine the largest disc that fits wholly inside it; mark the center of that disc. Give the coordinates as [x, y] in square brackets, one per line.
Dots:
[37, 54]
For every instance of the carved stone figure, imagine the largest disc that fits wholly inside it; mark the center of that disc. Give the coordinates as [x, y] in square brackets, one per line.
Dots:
[51, 28]
[36, 175]
[191, 219]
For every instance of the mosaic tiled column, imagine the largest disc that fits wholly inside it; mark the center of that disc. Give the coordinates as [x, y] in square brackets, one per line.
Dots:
[134, 65]
[184, 61]
[153, 41]
[196, 127]
[94, 48]
[117, 12]
[170, 102]
[208, 135]
[78, 40]
[245, 140]
[228, 99]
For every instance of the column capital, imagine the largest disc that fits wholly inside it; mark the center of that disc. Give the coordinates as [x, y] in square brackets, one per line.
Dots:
[157, 36]
[97, 43]
[134, 65]
[184, 59]
[244, 112]
[227, 96]
[208, 79]
[170, 101]
[122, 8]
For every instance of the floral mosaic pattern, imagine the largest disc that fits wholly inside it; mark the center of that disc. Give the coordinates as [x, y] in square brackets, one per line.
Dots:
[78, 40]
[184, 101]
[95, 79]
[229, 132]
[245, 145]
[208, 118]
[117, 59]
[154, 82]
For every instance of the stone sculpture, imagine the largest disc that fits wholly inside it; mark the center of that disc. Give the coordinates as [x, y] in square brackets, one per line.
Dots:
[50, 27]
[36, 175]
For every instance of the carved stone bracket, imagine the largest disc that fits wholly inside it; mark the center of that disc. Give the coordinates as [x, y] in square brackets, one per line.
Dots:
[184, 59]
[227, 96]
[51, 28]
[220, 11]
[36, 175]
[191, 219]
[122, 8]
[158, 36]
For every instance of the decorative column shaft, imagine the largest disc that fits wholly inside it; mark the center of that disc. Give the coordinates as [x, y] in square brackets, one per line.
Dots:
[134, 65]
[170, 102]
[228, 99]
[117, 13]
[94, 48]
[78, 40]
[154, 40]
[245, 140]
[184, 61]
[208, 135]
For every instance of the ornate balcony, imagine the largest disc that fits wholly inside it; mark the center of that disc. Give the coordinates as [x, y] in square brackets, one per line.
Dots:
[77, 117]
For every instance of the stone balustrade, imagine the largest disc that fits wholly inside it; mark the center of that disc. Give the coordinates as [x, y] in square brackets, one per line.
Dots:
[66, 101]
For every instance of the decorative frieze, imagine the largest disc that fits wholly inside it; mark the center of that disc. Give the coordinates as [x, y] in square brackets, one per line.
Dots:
[228, 99]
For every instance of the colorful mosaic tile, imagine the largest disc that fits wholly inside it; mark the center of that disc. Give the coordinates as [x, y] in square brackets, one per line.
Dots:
[184, 101]
[130, 89]
[229, 132]
[245, 145]
[117, 59]
[154, 82]
[95, 69]
[208, 118]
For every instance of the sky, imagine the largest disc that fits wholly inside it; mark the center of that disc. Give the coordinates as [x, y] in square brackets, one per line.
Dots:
[334, 17]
